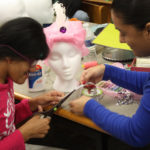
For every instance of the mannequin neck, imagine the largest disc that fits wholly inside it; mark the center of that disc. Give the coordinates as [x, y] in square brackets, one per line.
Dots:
[65, 85]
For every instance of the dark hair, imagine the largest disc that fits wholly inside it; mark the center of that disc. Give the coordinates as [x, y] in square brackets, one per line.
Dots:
[71, 6]
[26, 36]
[133, 12]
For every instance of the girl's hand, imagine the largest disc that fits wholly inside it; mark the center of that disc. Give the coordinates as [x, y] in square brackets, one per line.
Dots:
[35, 128]
[77, 106]
[93, 74]
[46, 99]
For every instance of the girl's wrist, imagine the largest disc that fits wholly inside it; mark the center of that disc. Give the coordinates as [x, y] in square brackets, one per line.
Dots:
[33, 105]
[103, 67]
[25, 135]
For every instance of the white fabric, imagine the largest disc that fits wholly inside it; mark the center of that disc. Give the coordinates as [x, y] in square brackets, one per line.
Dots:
[40, 10]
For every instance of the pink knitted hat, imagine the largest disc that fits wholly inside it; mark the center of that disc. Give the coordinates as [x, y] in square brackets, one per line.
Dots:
[74, 34]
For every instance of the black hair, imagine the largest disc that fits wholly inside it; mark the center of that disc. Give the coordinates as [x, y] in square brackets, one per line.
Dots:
[133, 12]
[71, 6]
[26, 36]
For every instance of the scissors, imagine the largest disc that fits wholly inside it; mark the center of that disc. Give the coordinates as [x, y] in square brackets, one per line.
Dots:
[49, 113]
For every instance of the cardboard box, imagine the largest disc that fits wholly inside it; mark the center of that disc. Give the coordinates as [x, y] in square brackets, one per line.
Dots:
[135, 68]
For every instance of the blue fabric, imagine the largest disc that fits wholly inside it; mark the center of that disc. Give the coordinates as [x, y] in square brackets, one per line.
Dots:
[81, 15]
[136, 130]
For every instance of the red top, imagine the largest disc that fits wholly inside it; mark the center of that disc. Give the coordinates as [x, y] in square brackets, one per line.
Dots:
[10, 115]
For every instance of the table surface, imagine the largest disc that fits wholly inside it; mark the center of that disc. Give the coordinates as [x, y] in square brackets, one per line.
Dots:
[21, 91]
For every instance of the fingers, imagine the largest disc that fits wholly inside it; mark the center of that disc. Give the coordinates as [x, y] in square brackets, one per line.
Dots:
[86, 76]
[53, 102]
[93, 74]
[36, 117]
[54, 97]
[50, 100]
[36, 127]
[40, 108]
[77, 106]
[71, 104]
[48, 117]
[45, 120]
[40, 136]
[72, 107]
[46, 127]
[83, 78]
[42, 133]
[56, 93]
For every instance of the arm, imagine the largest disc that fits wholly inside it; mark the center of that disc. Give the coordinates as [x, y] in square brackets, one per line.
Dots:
[134, 131]
[13, 141]
[131, 80]
[25, 108]
[22, 111]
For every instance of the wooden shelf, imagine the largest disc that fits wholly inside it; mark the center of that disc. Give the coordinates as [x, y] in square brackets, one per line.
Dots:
[98, 1]
[98, 13]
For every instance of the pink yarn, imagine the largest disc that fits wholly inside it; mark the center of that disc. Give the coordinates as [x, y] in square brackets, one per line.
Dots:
[75, 34]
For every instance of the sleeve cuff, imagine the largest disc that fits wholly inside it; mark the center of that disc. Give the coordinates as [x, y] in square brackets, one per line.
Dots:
[106, 73]
[23, 111]
[90, 108]
[25, 102]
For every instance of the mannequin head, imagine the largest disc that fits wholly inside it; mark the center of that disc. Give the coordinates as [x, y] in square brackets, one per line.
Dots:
[37, 9]
[65, 60]
[66, 51]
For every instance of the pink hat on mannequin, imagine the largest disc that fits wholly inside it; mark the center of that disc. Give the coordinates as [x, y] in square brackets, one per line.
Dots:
[71, 32]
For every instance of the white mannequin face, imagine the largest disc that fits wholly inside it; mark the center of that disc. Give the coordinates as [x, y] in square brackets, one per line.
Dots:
[65, 60]
[40, 10]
